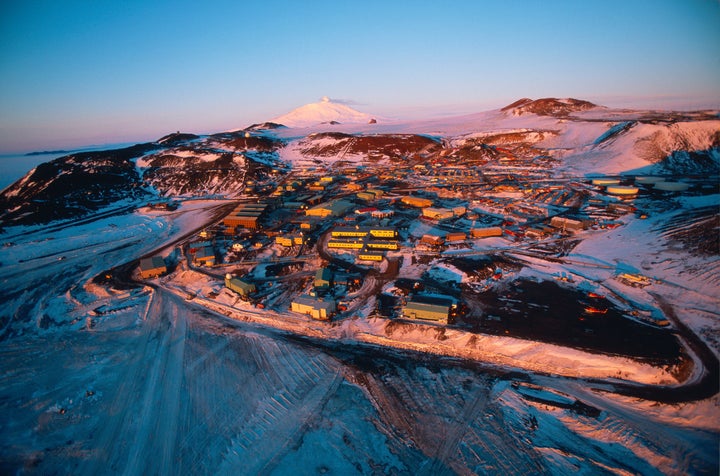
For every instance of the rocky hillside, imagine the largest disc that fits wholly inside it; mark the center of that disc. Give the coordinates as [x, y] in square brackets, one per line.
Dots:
[175, 165]
[548, 106]
[73, 185]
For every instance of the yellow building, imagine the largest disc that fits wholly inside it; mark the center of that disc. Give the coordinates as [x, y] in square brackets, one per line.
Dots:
[371, 255]
[416, 202]
[335, 208]
[152, 267]
[347, 244]
[321, 310]
[383, 233]
[437, 213]
[486, 232]
[385, 245]
[348, 232]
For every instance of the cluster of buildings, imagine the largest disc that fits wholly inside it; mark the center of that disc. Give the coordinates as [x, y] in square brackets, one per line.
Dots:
[361, 213]
[371, 242]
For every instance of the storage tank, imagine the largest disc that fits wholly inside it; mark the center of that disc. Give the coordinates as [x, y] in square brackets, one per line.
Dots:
[605, 181]
[622, 190]
[648, 179]
[671, 186]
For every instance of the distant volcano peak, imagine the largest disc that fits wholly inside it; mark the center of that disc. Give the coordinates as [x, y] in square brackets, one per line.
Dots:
[324, 111]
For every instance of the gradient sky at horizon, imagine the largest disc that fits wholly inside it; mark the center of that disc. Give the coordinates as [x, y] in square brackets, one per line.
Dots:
[74, 73]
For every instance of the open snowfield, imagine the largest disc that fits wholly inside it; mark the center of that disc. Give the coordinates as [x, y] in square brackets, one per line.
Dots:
[159, 385]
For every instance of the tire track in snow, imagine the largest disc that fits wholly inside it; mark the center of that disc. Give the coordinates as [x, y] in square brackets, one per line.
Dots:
[158, 417]
[293, 396]
[445, 454]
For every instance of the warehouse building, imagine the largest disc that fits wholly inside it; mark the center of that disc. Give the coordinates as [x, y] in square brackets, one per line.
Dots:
[437, 213]
[152, 267]
[334, 208]
[366, 196]
[427, 311]
[246, 215]
[432, 240]
[416, 201]
[455, 237]
[242, 287]
[486, 232]
[315, 308]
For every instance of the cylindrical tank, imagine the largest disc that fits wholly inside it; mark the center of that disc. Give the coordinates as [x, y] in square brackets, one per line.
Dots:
[622, 190]
[671, 186]
[647, 179]
[605, 181]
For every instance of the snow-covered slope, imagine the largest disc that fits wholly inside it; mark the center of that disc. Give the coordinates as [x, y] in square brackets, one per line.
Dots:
[323, 111]
[176, 165]
[584, 138]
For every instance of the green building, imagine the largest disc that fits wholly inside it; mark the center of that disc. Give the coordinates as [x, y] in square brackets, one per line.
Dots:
[427, 312]
[323, 278]
[241, 287]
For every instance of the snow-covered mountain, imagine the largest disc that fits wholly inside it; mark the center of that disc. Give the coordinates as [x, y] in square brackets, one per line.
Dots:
[322, 112]
[577, 137]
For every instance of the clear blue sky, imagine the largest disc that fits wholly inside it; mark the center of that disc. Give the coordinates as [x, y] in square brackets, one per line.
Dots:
[86, 72]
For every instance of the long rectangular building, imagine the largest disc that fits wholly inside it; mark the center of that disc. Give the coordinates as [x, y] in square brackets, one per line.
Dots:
[361, 232]
[427, 312]
[347, 244]
[382, 245]
[486, 232]
[246, 215]
[416, 201]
